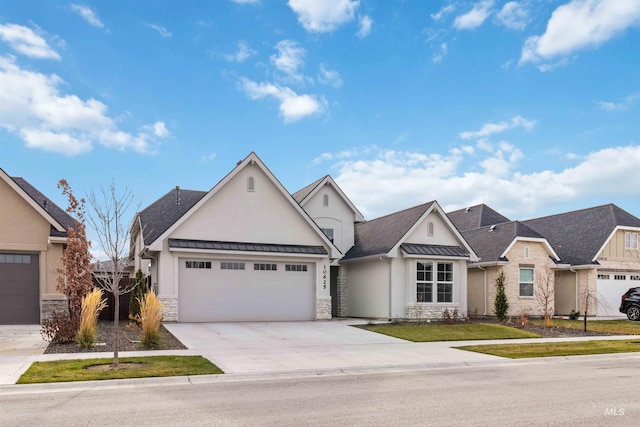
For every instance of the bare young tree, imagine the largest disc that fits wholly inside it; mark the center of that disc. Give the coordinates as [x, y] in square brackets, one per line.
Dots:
[545, 292]
[108, 221]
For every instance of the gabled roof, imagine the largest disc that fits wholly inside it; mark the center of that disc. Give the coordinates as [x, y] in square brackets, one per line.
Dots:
[160, 224]
[492, 242]
[304, 195]
[475, 217]
[59, 219]
[156, 218]
[579, 236]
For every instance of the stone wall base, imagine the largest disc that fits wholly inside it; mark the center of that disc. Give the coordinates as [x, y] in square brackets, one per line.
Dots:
[323, 309]
[170, 304]
[50, 305]
[431, 312]
[343, 296]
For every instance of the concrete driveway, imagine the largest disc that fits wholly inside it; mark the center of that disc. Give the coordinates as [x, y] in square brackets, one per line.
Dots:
[17, 340]
[291, 346]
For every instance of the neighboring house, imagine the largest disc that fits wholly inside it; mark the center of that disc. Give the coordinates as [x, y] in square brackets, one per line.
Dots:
[243, 251]
[409, 264]
[33, 234]
[591, 252]
[336, 215]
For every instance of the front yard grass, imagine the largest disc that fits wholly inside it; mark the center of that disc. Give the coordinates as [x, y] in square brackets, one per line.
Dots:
[450, 332]
[549, 349]
[615, 327]
[130, 367]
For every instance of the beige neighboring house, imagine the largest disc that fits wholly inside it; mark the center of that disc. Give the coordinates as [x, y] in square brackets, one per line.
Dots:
[33, 234]
[589, 252]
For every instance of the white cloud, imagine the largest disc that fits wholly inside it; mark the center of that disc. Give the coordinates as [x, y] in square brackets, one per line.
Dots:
[578, 25]
[208, 158]
[618, 106]
[475, 17]
[322, 16]
[32, 107]
[293, 107]
[443, 12]
[329, 77]
[498, 183]
[243, 53]
[159, 29]
[23, 40]
[87, 14]
[365, 26]
[441, 53]
[513, 15]
[289, 59]
[489, 129]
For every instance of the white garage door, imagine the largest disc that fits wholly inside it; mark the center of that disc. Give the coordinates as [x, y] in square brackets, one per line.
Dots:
[236, 291]
[611, 287]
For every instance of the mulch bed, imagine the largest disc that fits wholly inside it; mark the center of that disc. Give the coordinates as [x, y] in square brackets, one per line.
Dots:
[128, 340]
[545, 332]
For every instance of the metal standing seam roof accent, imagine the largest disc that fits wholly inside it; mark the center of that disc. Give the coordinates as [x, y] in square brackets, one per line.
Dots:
[434, 250]
[247, 247]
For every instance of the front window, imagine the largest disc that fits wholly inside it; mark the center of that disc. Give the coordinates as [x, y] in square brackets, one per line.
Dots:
[631, 240]
[424, 282]
[441, 290]
[328, 232]
[445, 282]
[526, 282]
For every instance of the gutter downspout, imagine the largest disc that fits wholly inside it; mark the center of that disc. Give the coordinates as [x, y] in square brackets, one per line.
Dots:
[390, 287]
[577, 287]
[485, 288]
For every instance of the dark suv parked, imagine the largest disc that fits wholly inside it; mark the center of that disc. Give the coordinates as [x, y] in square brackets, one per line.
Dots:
[630, 304]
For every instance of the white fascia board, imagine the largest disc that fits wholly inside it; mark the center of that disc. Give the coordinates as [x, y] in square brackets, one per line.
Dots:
[46, 215]
[246, 254]
[487, 264]
[54, 239]
[613, 233]
[365, 258]
[532, 240]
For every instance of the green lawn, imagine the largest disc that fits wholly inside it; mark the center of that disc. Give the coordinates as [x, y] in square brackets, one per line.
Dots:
[617, 327]
[450, 331]
[153, 366]
[573, 348]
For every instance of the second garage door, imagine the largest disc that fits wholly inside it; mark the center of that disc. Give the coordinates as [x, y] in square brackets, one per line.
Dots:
[611, 287]
[237, 291]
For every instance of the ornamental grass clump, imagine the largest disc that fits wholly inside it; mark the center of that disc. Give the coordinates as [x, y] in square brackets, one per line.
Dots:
[150, 320]
[92, 305]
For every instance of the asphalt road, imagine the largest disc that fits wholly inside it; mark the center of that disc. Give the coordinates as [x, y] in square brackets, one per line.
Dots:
[588, 391]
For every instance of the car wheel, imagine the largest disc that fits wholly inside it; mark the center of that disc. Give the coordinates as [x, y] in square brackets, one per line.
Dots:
[633, 312]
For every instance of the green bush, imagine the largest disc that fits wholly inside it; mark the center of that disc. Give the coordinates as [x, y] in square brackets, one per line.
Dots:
[501, 305]
[137, 295]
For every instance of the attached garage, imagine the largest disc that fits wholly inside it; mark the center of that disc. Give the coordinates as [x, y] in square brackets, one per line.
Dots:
[228, 290]
[19, 289]
[610, 288]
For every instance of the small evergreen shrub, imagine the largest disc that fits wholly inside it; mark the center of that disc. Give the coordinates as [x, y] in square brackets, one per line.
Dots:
[501, 304]
[574, 315]
[137, 294]
[92, 305]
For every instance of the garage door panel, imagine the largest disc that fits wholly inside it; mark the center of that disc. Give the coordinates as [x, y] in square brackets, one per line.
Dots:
[216, 295]
[610, 292]
[19, 289]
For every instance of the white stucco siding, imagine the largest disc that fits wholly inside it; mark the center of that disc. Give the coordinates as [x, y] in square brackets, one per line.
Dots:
[400, 275]
[369, 289]
[337, 215]
[442, 234]
[262, 216]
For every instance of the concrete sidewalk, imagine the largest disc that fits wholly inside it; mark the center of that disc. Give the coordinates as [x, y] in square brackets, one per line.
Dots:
[289, 347]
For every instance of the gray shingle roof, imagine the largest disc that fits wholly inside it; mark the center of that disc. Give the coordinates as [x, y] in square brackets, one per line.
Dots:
[164, 212]
[304, 192]
[475, 217]
[54, 210]
[489, 243]
[434, 250]
[380, 235]
[247, 247]
[578, 236]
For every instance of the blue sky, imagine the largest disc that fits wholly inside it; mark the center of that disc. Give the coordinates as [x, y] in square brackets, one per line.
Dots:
[528, 106]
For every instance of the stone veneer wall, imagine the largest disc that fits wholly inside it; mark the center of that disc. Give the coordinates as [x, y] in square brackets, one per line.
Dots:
[170, 309]
[323, 309]
[432, 312]
[343, 296]
[51, 305]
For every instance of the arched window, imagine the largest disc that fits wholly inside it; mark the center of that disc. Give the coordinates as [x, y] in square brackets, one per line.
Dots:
[430, 229]
[250, 184]
[325, 200]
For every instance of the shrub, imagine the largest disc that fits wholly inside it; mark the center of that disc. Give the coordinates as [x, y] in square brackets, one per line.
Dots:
[523, 320]
[150, 319]
[58, 329]
[501, 305]
[92, 305]
[574, 315]
[137, 295]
